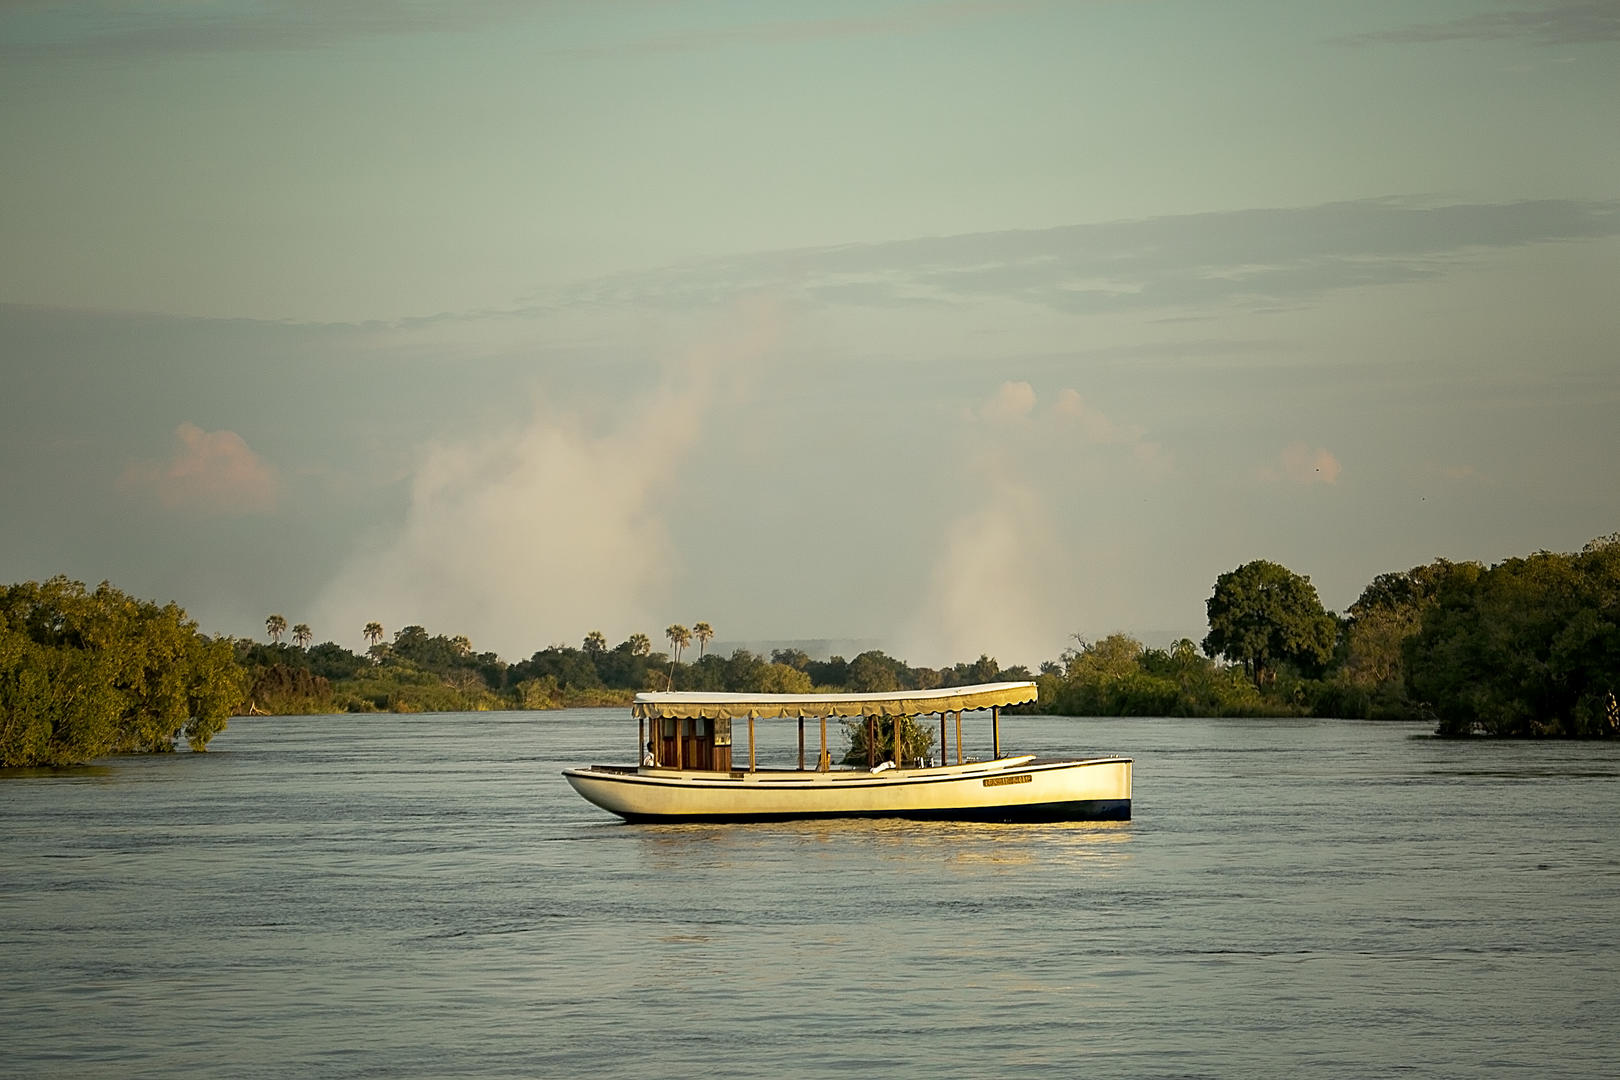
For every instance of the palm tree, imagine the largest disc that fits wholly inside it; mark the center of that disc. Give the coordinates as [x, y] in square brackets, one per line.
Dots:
[703, 632]
[373, 632]
[595, 642]
[640, 644]
[301, 635]
[679, 636]
[276, 625]
[461, 644]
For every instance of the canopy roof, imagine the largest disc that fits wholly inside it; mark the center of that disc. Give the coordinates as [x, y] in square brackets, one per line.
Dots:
[690, 705]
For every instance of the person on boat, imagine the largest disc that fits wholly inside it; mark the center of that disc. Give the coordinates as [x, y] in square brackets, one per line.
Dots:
[647, 758]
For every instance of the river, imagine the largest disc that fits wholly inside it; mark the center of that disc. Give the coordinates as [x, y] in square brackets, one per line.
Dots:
[424, 896]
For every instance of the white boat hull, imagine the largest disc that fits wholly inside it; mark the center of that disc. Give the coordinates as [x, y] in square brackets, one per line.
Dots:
[1010, 789]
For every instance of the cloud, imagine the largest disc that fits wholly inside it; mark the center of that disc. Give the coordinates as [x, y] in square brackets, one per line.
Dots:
[1257, 258]
[1072, 410]
[110, 29]
[1549, 24]
[213, 472]
[998, 577]
[1300, 464]
[990, 589]
[1013, 401]
[917, 18]
[525, 536]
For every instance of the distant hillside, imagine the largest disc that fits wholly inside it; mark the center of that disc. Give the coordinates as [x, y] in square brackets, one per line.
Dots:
[814, 648]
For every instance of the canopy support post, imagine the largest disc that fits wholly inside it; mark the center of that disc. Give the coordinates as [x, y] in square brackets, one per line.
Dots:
[680, 743]
[641, 739]
[871, 742]
[750, 742]
[995, 730]
[821, 762]
[959, 736]
[943, 745]
[801, 744]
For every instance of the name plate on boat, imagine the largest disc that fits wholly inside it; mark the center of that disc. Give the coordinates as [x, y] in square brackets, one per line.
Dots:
[997, 781]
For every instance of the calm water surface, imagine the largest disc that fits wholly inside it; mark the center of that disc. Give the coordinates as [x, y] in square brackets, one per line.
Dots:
[425, 896]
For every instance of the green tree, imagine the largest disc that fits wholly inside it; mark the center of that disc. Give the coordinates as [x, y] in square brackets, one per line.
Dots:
[704, 634]
[86, 674]
[873, 672]
[302, 635]
[833, 671]
[916, 739]
[275, 626]
[793, 658]
[1370, 677]
[640, 644]
[1529, 647]
[373, 633]
[595, 642]
[679, 638]
[777, 678]
[1263, 614]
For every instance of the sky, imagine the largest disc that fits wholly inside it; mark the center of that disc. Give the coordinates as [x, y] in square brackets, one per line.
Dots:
[955, 327]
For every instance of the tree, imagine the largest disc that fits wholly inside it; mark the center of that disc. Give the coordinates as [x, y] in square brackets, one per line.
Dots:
[275, 625]
[1371, 670]
[87, 674]
[793, 658]
[373, 633]
[679, 637]
[916, 739]
[833, 671]
[1263, 614]
[704, 633]
[873, 672]
[595, 642]
[640, 644]
[302, 635]
[1530, 647]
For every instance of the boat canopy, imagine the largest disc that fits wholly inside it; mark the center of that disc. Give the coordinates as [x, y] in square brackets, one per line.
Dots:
[689, 705]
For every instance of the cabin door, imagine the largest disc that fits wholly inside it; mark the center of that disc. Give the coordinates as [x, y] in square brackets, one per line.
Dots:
[667, 727]
[698, 749]
[722, 744]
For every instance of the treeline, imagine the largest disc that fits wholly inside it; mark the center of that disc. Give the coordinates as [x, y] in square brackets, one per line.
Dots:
[419, 672]
[85, 674]
[1529, 647]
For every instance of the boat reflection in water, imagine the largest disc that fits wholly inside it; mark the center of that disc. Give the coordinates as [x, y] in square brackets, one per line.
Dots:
[687, 773]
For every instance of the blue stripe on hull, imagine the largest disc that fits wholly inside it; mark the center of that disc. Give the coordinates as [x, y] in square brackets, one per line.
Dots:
[1082, 810]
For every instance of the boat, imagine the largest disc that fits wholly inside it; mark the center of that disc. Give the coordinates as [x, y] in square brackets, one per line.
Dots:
[685, 771]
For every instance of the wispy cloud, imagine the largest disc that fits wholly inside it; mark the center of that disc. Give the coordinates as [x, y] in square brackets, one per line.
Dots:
[1256, 257]
[113, 29]
[1300, 463]
[1547, 24]
[1072, 409]
[912, 19]
[1015, 408]
[1012, 401]
[211, 472]
[990, 588]
[108, 29]
[533, 532]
